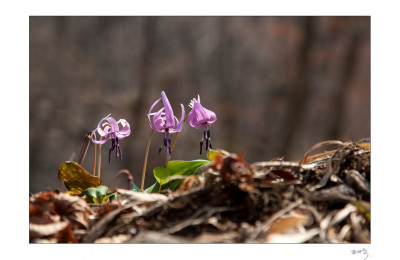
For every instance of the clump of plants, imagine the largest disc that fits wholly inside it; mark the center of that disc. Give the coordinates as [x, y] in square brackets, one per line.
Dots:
[79, 181]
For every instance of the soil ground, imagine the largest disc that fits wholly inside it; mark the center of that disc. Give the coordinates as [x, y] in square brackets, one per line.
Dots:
[324, 198]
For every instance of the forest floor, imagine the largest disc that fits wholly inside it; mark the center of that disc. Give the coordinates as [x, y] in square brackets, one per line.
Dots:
[323, 198]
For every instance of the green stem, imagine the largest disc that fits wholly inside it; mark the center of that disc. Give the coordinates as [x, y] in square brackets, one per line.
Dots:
[145, 160]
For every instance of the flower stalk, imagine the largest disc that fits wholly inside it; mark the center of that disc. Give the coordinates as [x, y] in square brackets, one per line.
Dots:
[145, 160]
[99, 159]
[173, 142]
[94, 157]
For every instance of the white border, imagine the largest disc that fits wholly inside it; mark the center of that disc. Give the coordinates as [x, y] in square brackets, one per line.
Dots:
[14, 97]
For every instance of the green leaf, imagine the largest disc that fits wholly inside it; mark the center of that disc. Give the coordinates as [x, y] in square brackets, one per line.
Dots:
[185, 167]
[97, 195]
[134, 187]
[115, 196]
[174, 168]
[161, 174]
[153, 188]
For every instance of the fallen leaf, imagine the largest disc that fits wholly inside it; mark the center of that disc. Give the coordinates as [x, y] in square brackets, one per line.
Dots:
[134, 196]
[76, 178]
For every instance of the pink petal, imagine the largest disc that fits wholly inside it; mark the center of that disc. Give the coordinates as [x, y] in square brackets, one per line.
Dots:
[159, 121]
[100, 126]
[125, 131]
[179, 125]
[150, 111]
[200, 117]
[169, 114]
[100, 141]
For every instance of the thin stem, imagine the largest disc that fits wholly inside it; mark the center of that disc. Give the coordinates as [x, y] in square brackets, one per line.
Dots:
[145, 160]
[173, 142]
[99, 159]
[94, 157]
[84, 148]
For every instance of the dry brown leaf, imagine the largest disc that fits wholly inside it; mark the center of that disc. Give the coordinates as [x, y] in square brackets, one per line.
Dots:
[305, 159]
[290, 223]
[140, 197]
[74, 208]
[44, 230]
[188, 183]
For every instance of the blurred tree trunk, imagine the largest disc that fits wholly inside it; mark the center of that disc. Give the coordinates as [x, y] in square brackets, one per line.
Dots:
[298, 92]
[145, 68]
[340, 97]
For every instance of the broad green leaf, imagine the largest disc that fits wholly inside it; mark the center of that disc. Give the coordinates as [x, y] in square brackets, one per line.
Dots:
[134, 187]
[161, 174]
[76, 178]
[185, 167]
[174, 168]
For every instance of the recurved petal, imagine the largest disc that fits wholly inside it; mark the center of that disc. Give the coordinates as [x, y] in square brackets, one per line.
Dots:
[113, 124]
[179, 124]
[101, 129]
[126, 129]
[150, 112]
[105, 139]
[158, 121]
[169, 113]
[152, 106]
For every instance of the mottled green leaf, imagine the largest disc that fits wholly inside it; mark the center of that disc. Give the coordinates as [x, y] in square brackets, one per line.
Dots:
[76, 178]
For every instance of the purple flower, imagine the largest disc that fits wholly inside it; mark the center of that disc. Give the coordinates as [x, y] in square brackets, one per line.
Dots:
[165, 121]
[201, 118]
[108, 129]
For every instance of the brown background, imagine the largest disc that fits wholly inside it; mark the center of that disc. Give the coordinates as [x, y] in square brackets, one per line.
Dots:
[277, 84]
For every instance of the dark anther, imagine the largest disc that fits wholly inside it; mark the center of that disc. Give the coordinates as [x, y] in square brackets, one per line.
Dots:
[210, 144]
[205, 134]
[208, 134]
[201, 146]
[111, 149]
[169, 141]
[165, 141]
[169, 149]
[112, 145]
[207, 144]
[119, 152]
[159, 150]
